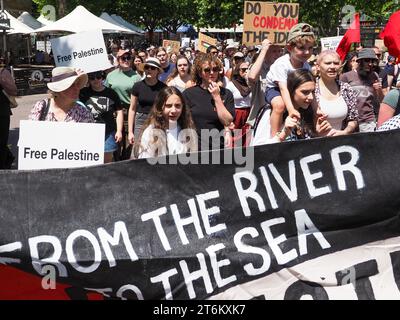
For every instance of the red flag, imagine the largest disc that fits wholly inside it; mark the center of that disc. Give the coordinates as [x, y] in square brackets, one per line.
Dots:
[391, 34]
[352, 35]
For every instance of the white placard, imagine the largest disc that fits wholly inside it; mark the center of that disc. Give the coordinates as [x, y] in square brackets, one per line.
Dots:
[85, 50]
[49, 145]
[185, 42]
[330, 43]
[43, 46]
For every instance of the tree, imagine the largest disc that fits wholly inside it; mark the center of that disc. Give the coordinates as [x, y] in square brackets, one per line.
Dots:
[219, 13]
[178, 12]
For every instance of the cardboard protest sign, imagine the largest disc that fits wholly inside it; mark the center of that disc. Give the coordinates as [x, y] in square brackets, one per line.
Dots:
[185, 42]
[85, 50]
[268, 20]
[308, 219]
[171, 46]
[205, 41]
[49, 145]
[330, 43]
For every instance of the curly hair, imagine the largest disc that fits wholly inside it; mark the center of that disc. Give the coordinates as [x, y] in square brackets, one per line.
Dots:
[198, 63]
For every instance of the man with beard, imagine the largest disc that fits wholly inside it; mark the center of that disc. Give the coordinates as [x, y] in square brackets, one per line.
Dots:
[368, 87]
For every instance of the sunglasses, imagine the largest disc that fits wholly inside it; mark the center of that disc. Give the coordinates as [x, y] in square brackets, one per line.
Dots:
[126, 58]
[214, 52]
[244, 69]
[149, 68]
[208, 70]
[95, 76]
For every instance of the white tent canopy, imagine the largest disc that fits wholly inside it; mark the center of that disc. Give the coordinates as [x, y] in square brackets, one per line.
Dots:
[125, 23]
[17, 26]
[81, 20]
[30, 21]
[43, 20]
[105, 16]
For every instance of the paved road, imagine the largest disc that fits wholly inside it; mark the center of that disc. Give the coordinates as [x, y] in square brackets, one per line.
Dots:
[25, 105]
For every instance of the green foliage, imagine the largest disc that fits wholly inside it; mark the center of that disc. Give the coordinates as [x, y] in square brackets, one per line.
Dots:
[325, 15]
[219, 13]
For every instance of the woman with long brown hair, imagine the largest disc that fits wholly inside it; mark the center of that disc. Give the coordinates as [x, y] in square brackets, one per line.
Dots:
[169, 129]
[312, 123]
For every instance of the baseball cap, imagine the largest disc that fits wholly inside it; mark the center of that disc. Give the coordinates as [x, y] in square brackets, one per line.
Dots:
[121, 52]
[299, 30]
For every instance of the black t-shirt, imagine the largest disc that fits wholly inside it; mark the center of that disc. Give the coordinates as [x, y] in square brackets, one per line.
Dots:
[389, 70]
[204, 114]
[102, 105]
[146, 95]
[5, 109]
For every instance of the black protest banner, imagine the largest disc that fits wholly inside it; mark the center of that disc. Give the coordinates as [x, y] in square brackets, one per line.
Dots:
[317, 218]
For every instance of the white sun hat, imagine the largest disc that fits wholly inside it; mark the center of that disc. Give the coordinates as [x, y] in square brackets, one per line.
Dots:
[64, 77]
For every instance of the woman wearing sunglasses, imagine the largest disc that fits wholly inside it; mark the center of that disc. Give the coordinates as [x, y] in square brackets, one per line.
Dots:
[242, 96]
[212, 106]
[121, 80]
[241, 93]
[143, 95]
[103, 103]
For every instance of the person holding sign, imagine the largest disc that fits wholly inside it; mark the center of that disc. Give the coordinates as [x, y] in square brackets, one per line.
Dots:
[162, 133]
[103, 103]
[212, 106]
[257, 76]
[336, 99]
[300, 44]
[63, 104]
[311, 123]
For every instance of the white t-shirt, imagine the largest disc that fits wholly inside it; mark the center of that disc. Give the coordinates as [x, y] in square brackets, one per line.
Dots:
[240, 102]
[336, 110]
[280, 69]
[262, 134]
[149, 149]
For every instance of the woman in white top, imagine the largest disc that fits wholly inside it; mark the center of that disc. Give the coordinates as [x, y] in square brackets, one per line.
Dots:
[181, 78]
[334, 98]
[241, 94]
[169, 128]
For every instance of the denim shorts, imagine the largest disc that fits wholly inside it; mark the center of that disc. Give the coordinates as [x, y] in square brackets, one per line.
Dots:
[109, 144]
[271, 94]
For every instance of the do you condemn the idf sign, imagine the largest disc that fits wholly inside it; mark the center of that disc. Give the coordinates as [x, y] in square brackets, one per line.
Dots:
[50, 145]
[85, 50]
[268, 20]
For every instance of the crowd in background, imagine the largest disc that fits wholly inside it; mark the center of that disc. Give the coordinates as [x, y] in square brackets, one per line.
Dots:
[156, 102]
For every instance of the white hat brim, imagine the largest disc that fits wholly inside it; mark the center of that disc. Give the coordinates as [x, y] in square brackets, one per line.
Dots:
[64, 84]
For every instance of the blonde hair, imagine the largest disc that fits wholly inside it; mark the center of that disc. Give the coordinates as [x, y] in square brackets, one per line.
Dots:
[326, 53]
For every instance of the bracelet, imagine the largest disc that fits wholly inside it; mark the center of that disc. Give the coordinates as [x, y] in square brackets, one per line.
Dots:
[278, 136]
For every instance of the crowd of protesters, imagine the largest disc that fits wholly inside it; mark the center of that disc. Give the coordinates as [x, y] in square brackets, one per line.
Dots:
[242, 96]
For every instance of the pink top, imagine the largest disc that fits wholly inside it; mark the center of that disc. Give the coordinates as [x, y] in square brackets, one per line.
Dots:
[77, 113]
